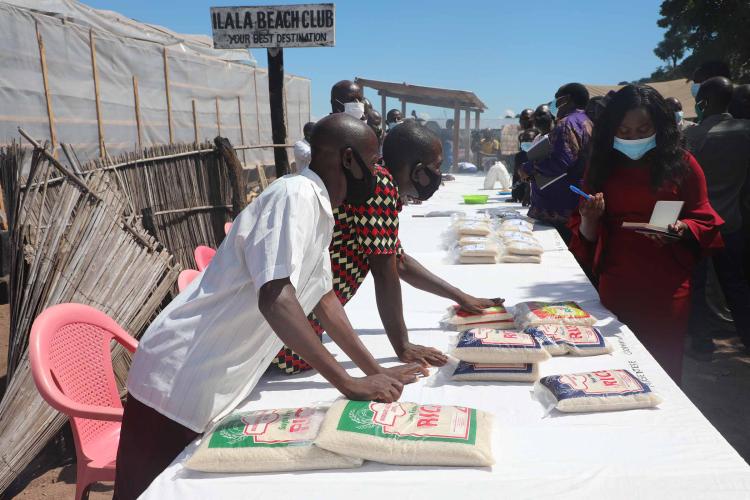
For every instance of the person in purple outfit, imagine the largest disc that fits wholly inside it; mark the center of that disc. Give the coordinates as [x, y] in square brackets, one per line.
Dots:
[552, 202]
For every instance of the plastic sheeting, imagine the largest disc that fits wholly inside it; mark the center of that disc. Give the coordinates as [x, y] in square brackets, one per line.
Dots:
[126, 49]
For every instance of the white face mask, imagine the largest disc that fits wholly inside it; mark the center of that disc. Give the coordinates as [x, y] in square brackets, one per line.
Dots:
[355, 109]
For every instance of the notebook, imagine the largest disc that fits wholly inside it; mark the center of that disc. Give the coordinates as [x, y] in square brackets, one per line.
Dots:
[664, 214]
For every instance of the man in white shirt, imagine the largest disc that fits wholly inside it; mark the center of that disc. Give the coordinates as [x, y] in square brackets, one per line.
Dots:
[302, 148]
[207, 349]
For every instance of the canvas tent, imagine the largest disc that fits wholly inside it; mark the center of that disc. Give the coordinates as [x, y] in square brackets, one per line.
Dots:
[107, 84]
[674, 88]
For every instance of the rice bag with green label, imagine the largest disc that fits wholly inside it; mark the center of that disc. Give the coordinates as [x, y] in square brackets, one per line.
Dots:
[267, 441]
[408, 433]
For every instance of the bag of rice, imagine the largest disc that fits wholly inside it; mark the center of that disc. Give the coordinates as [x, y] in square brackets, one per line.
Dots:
[519, 247]
[267, 441]
[585, 341]
[408, 433]
[485, 253]
[604, 390]
[492, 317]
[509, 258]
[550, 337]
[473, 228]
[518, 225]
[508, 372]
[486, 345]
[551, 313]
[474, 240]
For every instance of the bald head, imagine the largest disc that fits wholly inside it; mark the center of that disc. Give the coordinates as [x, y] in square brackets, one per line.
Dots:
[337, 141]
[673, 104]
[526, 118]
[716, 93]
[740, 105]
[345, 91]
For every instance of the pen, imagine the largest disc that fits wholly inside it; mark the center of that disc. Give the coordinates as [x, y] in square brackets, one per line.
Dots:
[579, 192]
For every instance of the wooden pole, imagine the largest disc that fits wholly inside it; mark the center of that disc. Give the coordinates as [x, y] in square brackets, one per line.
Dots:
[195, 124]
[218, 116]
[169, 99]
[382, 109]
[276, 99]
[467, 126]
[456, 135]
[100, 125]
[47, 95]
[242, 127]
[403, 108]
[476, 119]
[137, 105]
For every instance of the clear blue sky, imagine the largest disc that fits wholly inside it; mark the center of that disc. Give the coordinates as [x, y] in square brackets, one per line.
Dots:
[511, 54]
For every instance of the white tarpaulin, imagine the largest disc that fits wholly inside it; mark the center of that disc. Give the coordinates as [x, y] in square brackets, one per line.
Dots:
[668, 452]
[183, 67]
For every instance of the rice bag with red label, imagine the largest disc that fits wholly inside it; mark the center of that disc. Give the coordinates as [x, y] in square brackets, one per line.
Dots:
[408, 433]
[487, 345]
[267, 441]
[551, 313]
[498, 372]
[604, 390]
[496, 317]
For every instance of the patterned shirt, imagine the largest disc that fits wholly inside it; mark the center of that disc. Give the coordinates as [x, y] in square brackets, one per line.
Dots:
[360, 231]
[569, 140]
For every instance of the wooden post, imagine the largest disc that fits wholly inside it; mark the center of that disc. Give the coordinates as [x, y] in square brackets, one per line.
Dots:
[476, 119]
[403, 109]
[382, 110]
[225, 149]
[218, 116]
[257, 106]
[242, 128]
[100, 125]
[276, 100]
[467, 126]
[47, 95]
[456, 136]
[169, 99]
[195, 125]
[137, 105]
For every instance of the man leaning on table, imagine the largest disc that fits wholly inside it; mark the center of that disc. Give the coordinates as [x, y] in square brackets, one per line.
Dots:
[366, 238]
[207, 349]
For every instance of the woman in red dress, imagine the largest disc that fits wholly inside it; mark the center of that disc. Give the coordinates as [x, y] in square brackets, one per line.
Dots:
[636, 160]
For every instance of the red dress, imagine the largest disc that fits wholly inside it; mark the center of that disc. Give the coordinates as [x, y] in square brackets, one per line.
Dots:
[645, 285]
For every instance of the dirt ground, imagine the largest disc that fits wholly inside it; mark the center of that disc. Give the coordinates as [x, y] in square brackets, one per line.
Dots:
[719, 388]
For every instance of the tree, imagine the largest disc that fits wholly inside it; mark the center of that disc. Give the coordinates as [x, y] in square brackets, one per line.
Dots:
[706, 29]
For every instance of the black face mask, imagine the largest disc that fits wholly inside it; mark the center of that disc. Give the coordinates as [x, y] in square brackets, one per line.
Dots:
[358, 191]
[425, 192]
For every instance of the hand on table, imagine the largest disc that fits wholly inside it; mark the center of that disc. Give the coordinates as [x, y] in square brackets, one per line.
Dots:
[474, 305]
[425, 356]
[406, 374]
[379, 387]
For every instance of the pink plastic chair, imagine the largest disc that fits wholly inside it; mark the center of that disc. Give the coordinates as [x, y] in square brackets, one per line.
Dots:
[185, 278]
[69, 350]
[203, 256]
[227, 227]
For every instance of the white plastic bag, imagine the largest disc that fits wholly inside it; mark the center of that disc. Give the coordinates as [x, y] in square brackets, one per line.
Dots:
[497, 173]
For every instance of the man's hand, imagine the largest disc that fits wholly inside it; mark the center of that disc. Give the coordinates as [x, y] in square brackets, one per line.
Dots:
[423, 355]
[379, 387]
[406, 374]
[474, 305]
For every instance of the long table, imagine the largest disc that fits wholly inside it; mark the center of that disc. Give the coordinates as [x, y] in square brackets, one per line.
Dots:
[668, 452]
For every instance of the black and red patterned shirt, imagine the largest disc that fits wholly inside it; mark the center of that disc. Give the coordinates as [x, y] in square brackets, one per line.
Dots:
[360, 231]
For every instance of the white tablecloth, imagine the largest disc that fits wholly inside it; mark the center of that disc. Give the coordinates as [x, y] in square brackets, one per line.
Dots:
[670, 452]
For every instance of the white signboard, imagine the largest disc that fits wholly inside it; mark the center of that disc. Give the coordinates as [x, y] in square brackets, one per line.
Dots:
[309, 25]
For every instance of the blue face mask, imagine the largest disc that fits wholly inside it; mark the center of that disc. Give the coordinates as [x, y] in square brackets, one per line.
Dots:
[525, 146]
[678, 116]
[635, 148]
[694, 88]
[553, 107]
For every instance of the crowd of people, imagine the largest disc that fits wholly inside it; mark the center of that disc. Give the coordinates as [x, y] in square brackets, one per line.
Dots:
[302, 249]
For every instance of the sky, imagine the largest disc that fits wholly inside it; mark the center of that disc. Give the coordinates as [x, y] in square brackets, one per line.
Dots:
[511, 54]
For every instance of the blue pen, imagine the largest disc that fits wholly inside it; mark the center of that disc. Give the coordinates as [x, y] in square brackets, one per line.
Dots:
[579, 192]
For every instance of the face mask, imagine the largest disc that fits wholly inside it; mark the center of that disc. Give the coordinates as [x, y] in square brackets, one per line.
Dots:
[525, 146]
[425, 192]
[694, 88]
[553, 107]
[678, 116]
[636, 148]
[358, 191]
[355, 109]
[391, 125]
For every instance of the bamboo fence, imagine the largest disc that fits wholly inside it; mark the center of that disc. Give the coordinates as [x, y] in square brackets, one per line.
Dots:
[73, 240]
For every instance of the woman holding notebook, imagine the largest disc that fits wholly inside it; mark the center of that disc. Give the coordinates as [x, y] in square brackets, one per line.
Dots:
[644, 276]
